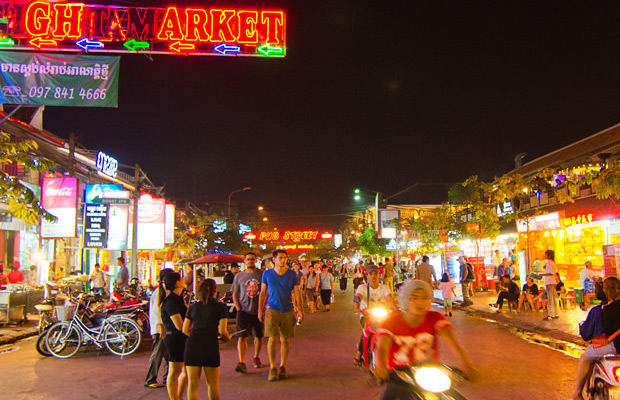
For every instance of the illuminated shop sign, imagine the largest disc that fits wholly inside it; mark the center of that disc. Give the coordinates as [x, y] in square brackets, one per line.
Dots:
[297, 248]
[294, 236]
[59, 197]
[106, 164]
[578, 219]
[31, 25]
[539, 223]
[95, 225]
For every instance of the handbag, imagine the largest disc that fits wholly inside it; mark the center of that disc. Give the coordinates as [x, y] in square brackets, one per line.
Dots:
[601, 341]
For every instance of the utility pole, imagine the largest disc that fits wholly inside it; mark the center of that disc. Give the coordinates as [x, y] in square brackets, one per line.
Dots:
[133, 268]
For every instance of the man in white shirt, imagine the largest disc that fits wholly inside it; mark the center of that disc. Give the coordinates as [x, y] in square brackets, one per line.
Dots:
[550, 282]
[497, 260]
[587, 273]
[369, 295]
[158, 332]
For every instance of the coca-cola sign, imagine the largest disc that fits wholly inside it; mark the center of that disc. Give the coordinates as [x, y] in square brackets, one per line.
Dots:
[59, 198]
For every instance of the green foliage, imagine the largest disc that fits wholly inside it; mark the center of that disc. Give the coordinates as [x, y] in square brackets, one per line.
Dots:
[370, 243]
[21, 201]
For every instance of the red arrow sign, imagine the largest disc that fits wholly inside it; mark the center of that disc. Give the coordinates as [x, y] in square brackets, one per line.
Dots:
[179, 47]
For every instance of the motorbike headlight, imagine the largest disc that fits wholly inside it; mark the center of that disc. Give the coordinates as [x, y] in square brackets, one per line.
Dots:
[379, 312]
[432, 380]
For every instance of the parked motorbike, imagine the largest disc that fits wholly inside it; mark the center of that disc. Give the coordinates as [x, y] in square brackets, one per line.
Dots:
[429, 381]
[605, 381]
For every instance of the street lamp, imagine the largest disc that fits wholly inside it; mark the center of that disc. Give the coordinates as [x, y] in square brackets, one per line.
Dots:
[260, 208]
[233, 192]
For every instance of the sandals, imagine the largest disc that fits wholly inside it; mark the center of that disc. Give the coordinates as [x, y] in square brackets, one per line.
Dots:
[357, 362]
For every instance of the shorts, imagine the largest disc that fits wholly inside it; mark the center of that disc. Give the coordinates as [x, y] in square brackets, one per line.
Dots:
[447, 302]
[326, 297]
[249, 324]
[175, 344]
[594, 353]
[280, 324]
[311, 294]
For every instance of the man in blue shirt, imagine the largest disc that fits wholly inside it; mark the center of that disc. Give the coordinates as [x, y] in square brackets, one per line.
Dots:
[275, 309]
[122, 277]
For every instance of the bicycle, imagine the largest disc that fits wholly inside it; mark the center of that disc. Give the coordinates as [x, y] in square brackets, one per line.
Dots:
[118, 333]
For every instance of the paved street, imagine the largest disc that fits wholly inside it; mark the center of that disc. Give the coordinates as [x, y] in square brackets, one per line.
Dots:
[320, 367]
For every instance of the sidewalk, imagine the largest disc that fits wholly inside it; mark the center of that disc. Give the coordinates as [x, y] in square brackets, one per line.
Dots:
[565, 328]
[12, 333]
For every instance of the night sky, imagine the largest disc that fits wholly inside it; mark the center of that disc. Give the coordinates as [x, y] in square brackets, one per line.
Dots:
[371, 94]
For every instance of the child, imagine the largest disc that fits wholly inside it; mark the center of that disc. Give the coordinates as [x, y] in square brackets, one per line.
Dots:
[447, 290]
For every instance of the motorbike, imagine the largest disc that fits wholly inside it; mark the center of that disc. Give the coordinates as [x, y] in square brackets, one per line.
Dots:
[429, 381]
[605, 381]
[372, 317]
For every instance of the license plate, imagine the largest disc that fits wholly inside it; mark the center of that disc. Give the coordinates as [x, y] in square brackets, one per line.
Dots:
[614, 393]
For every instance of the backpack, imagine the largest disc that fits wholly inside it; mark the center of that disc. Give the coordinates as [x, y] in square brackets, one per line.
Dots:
[470, 274]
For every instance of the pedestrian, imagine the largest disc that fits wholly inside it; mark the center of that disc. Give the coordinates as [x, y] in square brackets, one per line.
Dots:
[312, 288]
[173, 310]
[467, 277]
[497, 260]
[229, 277]
[344, 277]
[205, 318]
[327, 287]
[425, 272]
[32, 276]
[586, 273]
[447, 290]
[97, 280]
[358, 275]
[550, 282]
[388, 273]
[16, 276]
[509, 291]
[158, 332]
[122, 277]
[275, 310]
[245, 291]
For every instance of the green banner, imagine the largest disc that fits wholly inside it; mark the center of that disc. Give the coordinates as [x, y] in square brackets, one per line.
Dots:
[58, 80]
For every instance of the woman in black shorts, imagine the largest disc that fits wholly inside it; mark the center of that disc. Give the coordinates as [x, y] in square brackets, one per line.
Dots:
[173, 310]
[204, 319]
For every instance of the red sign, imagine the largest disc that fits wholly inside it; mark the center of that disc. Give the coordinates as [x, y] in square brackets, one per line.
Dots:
[585, 218]
[250, 236]
[294, 236]
[59, 198]
[51, 25]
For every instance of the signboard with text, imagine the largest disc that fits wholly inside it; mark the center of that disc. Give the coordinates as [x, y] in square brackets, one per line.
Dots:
[221, 30]
[539, 222]
[95, 225]
[151, 223]
[59, 80]
[59, 197]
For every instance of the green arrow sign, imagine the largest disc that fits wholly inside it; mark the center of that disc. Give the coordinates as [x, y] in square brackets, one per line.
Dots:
[271, 50]
[133, 45]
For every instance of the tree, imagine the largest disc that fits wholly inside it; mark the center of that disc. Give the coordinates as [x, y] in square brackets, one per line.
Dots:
[370, 243]
[21, 201]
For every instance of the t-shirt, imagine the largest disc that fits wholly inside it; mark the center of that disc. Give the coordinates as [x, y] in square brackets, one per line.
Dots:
[533, 290]
[446, 289]
[155, 312]
[411, 345]
[558, 287]
[550, 269]
[326, 281]
[206, 317]
[279, 288]
[376, 295]
[311, 281]
[247, 285]
[425, 271]
[389, 270]
[123, 273]
[229, 277]
[497, 260]
[173, 304]
[16, 276]
[97, 278]
[585, 274]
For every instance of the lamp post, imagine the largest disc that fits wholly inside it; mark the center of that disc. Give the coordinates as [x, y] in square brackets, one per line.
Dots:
[230, 195]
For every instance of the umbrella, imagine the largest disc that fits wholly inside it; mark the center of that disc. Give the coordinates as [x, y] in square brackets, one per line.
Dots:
[214, 258]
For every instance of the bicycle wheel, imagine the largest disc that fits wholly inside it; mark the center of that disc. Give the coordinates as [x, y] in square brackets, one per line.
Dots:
[122, 336]
[41, 345]
[63, 340]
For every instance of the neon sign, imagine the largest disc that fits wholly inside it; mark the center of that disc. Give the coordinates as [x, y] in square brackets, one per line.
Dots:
[223, 31]
[106, 164]
[294, 236]
[578, 219]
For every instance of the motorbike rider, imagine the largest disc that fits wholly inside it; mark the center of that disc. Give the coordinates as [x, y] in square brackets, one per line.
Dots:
[378, 293]
[410, 337]
[610, 316]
